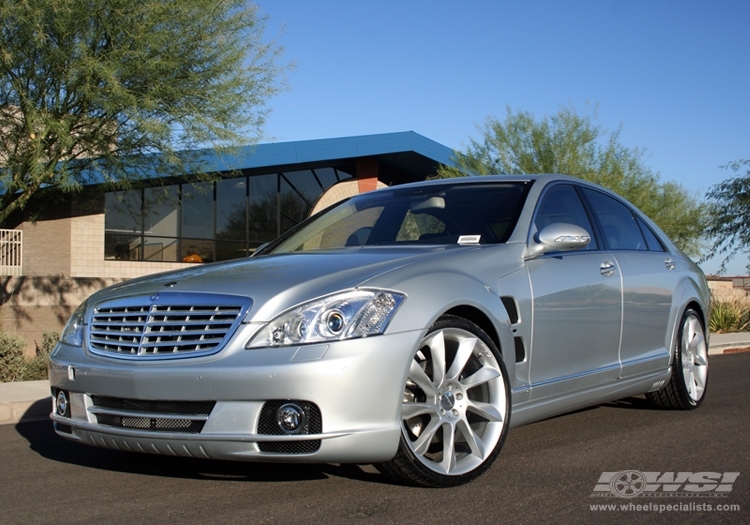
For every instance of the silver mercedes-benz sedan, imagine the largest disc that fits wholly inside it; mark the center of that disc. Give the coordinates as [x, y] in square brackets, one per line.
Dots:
[409, 327]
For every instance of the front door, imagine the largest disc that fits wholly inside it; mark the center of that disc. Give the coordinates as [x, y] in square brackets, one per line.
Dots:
[577, 306]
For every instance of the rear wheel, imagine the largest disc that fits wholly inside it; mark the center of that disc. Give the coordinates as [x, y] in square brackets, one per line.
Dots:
[687, 386]
[455, 410]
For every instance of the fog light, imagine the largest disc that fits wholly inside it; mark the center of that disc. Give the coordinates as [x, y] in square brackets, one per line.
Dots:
[62, 404]
[291, 418]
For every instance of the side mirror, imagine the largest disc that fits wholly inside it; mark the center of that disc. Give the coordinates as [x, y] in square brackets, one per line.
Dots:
[559, 237]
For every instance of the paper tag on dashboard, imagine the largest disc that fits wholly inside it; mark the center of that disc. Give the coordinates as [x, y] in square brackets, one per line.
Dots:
[469, 239]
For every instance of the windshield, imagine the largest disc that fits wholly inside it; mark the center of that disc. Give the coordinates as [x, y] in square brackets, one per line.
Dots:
[450, 213]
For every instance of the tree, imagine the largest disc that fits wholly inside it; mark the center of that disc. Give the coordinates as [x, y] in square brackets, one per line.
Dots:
[572, 144]
[729, 215]
[111, 90]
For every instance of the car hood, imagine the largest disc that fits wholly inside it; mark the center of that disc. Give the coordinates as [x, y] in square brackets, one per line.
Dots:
[277, 282]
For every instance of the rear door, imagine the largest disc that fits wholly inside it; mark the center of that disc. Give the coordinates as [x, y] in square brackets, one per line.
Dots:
[648, 279]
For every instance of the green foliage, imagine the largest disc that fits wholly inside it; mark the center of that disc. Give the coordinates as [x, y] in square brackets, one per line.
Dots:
[12, 358]
[95, 88]
[729, 212]
[569, 143]
[36, 367]
[729, 315]
[16, 366]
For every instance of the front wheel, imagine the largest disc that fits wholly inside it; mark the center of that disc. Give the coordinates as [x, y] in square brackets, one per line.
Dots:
[687, 386]
[455, 410]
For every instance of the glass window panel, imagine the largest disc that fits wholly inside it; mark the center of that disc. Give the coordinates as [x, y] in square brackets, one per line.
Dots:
[418, 227]
[161, 211]
[123, 211]
[344, 175]
[354, 231]
[654, 244]
[226, 250]
[327, 177]
[197, 250]
[122, 247]
[618, 222]
[294, 208]
[306, 185]
[561, 204]
[262, 208]
[231, 209]
[488, 211]
[198, 210]
[160, 249]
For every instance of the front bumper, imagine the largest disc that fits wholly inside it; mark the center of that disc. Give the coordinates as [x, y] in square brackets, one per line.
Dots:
[357, 386]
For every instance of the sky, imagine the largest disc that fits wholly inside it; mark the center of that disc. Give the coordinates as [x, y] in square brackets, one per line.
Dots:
[674, 76]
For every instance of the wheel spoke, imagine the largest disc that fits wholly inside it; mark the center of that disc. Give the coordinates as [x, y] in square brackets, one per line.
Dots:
[472, 439]
[485, 410]
[449, 448]
[481, 376]
[700, 360]
[700, 381]
[465, 349]
[410, 410]
[420, 377]
[697, 341]
[422, 442]
[437, 351]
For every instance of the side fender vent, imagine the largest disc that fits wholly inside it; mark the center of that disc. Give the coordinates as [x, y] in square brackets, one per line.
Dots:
[510, 306]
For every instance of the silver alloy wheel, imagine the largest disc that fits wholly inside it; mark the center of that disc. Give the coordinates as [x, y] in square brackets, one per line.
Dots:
[694, 355]
[455, 402]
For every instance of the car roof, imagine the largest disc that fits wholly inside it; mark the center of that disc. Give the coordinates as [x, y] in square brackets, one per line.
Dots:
[474, 179]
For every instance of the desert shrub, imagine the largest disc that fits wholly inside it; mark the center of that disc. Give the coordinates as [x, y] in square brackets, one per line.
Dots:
[36, 367]
[16, 366]
[12, 359]
[729, 315]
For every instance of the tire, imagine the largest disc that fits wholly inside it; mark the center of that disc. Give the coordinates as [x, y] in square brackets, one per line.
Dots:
[456, 408]
[686, 388]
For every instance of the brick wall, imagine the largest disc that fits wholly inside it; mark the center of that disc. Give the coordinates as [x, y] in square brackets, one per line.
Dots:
[46, 247]
[29, 306]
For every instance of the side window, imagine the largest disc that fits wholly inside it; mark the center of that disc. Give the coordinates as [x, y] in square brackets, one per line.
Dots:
[620, 227]
[653, 242]
[561, 203]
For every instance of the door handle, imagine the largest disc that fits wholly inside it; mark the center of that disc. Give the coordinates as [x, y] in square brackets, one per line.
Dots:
[669, 263]
[607, 268]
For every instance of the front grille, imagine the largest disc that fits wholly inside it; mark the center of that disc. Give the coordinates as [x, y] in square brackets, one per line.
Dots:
[165, 325]
[154, 416]
[267, 425]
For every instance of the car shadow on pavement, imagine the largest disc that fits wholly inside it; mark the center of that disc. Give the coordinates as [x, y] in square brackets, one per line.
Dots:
[632, 403]
[43, 440]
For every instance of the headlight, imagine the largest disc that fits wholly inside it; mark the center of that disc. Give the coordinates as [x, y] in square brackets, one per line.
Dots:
[345, 315]
[72, 334]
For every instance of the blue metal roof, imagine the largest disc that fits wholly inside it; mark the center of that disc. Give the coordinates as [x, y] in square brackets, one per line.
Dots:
[406, 151]
[309, 151]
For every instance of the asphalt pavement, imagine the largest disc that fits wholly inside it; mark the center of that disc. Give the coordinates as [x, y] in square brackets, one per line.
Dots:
[28, 401]
[548, 472]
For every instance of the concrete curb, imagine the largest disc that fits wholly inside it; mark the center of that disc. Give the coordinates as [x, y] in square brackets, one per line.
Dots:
[28, 401]
[24, 401]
